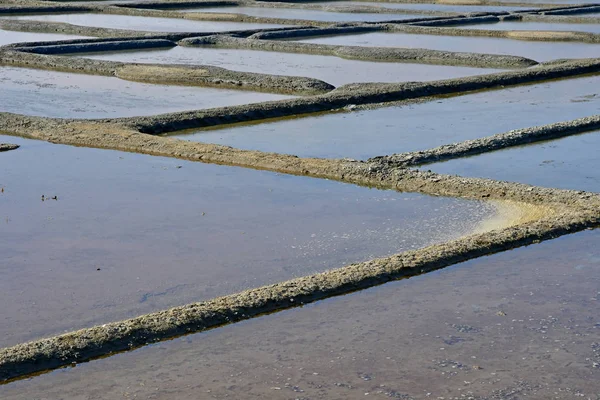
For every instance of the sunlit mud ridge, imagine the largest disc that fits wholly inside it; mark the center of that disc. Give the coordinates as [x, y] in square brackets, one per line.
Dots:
[524, 214]
[492, 143]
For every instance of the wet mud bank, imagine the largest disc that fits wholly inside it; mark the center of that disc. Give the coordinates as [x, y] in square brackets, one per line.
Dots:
[492, 143]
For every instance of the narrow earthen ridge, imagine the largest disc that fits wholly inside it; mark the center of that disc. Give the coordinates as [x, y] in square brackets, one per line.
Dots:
[384, 54]
[17, 9]
[189, 75]
[459, 21]
[544, 36]
[162, 5]
[109, 45]
[304, 33]
[565, 19]
[355, 94]
[594, 8]
[8, 147]
[500, 141]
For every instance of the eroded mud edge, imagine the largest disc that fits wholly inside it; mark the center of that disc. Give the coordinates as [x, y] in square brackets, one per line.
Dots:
[516, 137]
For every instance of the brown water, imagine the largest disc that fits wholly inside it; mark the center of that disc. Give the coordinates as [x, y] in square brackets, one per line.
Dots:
[130, 234]
[66, 95]
[537, 26]
[364, 134]
[9, 37]
[523, 324]
[568, 163]
[334, 70]
[539, 51]
[304, 14]
[152, 24]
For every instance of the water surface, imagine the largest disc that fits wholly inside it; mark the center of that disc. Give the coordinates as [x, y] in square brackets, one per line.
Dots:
[425, 6]
[151, 24]
[568, 163]
[303, 14]
[10, 37]
[334, 70]
[537, 26]
[130, 234]
[388, 130]
[66, 95]
[539, 51]
[517, 325]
